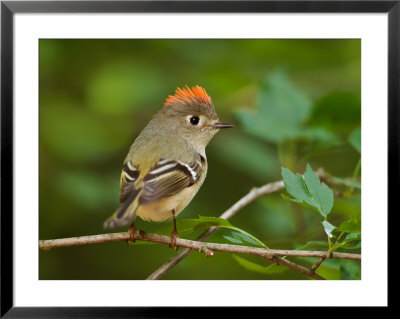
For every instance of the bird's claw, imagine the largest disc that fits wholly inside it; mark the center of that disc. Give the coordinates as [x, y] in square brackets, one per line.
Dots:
[174, 236]
[132, 231]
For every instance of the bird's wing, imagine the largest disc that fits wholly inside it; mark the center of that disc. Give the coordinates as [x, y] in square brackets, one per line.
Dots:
[129, 176]
[167, 178]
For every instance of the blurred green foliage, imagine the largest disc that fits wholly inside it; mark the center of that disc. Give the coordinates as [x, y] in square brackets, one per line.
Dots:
[293, 102]
[280, 113]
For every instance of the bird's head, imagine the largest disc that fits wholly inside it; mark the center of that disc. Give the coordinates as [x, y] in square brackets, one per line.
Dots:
[191, 114]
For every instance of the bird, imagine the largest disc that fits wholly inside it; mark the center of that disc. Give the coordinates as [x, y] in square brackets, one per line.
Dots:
[167, 164]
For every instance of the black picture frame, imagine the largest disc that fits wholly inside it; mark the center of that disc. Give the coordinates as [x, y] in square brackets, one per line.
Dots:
[9, 8]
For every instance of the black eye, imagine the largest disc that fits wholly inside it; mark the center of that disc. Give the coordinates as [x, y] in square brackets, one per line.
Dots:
[194, 120]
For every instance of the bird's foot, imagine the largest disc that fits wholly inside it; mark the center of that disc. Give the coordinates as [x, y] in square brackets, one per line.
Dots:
[174, 236]
[132, 231]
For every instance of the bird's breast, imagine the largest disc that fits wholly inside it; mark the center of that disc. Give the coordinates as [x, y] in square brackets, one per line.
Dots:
[162, 210]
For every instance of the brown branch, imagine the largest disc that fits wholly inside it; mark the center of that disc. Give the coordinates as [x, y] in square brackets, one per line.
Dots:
[207, 248]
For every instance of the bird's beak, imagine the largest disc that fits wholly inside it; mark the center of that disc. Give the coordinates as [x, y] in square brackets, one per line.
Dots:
[219, 125]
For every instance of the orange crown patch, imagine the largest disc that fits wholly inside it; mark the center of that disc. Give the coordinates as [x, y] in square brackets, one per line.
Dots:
[195, 94]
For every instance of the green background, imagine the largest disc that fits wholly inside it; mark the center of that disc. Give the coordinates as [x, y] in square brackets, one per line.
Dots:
[97, 95]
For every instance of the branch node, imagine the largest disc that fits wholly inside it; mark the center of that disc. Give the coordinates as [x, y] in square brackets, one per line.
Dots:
[274, 259]
[317, 264]
[206, 251]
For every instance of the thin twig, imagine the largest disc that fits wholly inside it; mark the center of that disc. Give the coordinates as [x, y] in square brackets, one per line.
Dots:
[206, 251]
[296, 267]
[317, 264]
[195, 245]
[321, 260]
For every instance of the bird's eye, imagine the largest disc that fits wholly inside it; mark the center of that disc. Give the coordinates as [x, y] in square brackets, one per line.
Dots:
[194, 120]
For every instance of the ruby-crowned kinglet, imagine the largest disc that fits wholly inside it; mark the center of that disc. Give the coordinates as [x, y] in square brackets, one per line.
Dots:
[167, 164]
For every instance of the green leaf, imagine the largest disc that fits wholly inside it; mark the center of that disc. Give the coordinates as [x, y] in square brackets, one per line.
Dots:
[297, 202]
[269, 270]
[313, 243]
[240, 238]
[187, 226]
[295, 185]
[352, 225]
[308, 190]
[355, 139]
[352, 245]
[352, 241]
[322, 195]
[233, 240]
[329, 228]
[353, 236]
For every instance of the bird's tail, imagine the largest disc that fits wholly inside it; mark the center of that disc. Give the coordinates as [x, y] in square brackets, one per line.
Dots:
[126, 213]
